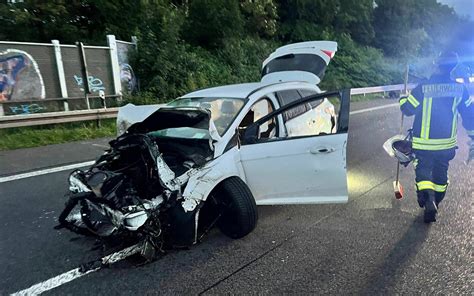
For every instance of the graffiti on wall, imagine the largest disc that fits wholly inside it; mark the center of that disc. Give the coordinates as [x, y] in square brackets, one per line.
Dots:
[95, 83]
[26, 109]
[127, 76]
[20, 78]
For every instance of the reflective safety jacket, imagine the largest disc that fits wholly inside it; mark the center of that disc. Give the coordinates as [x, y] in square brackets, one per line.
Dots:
[435, 105]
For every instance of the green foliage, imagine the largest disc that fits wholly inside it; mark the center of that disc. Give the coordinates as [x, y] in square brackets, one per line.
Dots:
[260, 17]
[168, 72]
[70, 21]
[303, 19]
[408, 28]
[24, 137]
[190, 44]
[211, 21]
[359, 66]
[355, 18]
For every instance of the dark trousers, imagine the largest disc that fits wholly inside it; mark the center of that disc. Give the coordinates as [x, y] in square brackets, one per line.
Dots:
[431, 169]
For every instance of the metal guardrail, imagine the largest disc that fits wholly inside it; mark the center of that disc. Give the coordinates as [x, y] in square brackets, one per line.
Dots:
[56, 117]
[98, 114]
[377, 89]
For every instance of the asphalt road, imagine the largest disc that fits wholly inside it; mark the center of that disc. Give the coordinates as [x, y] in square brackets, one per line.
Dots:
[372, 245]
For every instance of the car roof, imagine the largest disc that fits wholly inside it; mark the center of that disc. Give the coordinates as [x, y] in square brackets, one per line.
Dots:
[227, 91]
[241, 91]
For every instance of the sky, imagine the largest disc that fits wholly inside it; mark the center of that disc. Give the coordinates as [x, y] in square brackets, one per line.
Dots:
[462, 7]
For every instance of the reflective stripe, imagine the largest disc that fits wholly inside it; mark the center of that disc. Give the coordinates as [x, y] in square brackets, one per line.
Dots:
[440, 188]
[413, 101]
[424, 118]
[433, 147]
[428, 185]
[470, 133]
[425, 185]
[428, 119]
[403, 101]
[470, 101]
[434, 144]
[454, 124]
[434, 141]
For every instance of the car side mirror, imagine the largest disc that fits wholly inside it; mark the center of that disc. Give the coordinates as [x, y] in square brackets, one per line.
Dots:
[251, 134]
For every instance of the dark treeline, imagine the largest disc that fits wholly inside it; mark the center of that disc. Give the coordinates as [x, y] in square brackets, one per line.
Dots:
[189, 44]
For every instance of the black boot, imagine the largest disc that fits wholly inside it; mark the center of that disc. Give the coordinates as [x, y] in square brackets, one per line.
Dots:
[439, 196]
[431, 209]
[421, 197]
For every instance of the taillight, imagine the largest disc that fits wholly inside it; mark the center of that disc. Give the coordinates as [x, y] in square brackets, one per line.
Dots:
[330, 54]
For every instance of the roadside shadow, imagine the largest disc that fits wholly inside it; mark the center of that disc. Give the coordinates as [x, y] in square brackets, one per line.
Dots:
[407, 248]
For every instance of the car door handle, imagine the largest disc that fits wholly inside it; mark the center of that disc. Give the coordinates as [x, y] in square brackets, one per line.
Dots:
[321, 150]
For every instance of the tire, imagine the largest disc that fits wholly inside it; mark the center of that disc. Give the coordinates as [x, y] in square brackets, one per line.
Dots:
[237, 205]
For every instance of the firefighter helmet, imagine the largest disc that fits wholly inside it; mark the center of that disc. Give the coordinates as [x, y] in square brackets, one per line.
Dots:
[401, 148]
[447, 60]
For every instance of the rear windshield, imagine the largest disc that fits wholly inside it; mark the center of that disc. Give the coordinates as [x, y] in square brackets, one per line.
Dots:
[297, 62]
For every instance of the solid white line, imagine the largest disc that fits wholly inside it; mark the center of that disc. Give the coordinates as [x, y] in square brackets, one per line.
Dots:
[374, 109]
[46, 171]
[88, 163]
[73, 274]
[53, 282]
[101, 146]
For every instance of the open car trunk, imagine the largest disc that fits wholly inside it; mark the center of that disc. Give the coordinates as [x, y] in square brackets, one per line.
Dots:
[304, 61]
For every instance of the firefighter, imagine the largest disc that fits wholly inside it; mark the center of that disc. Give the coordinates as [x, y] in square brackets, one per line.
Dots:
[435, 104]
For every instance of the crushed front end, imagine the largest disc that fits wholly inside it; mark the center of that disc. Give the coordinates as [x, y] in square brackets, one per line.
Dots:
[133, 192]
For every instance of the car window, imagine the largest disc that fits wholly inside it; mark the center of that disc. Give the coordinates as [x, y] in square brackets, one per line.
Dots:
[307, 92]
[257, 111]
[319, 118]
[297, 62]
[223, 110]
[286, 97]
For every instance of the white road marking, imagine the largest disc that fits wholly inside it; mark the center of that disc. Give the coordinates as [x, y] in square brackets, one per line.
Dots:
[46, 171]
[88, 163]
[374, 109]
[76, 273]
[101, 146]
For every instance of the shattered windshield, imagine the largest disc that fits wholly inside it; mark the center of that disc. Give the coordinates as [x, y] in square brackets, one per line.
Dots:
[223, 110]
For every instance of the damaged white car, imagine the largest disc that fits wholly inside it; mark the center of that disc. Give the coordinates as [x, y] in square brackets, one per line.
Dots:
[209, 157]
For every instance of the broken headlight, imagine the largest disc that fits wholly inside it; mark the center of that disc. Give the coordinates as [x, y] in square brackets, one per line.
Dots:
[76, 183]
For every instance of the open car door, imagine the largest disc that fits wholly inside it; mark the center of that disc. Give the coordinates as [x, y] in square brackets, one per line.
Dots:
[305, 161]
[304, 61]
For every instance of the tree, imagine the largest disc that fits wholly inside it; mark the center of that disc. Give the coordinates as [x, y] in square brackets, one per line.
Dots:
[70, 21]
[355, 17]
[209, 22]
[260, 17]
[405, 28]
[36, 21]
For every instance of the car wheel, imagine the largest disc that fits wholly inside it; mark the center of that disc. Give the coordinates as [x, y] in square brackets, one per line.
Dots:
[237, 207]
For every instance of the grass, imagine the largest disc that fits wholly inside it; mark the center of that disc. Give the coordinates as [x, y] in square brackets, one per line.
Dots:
[35, 136]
